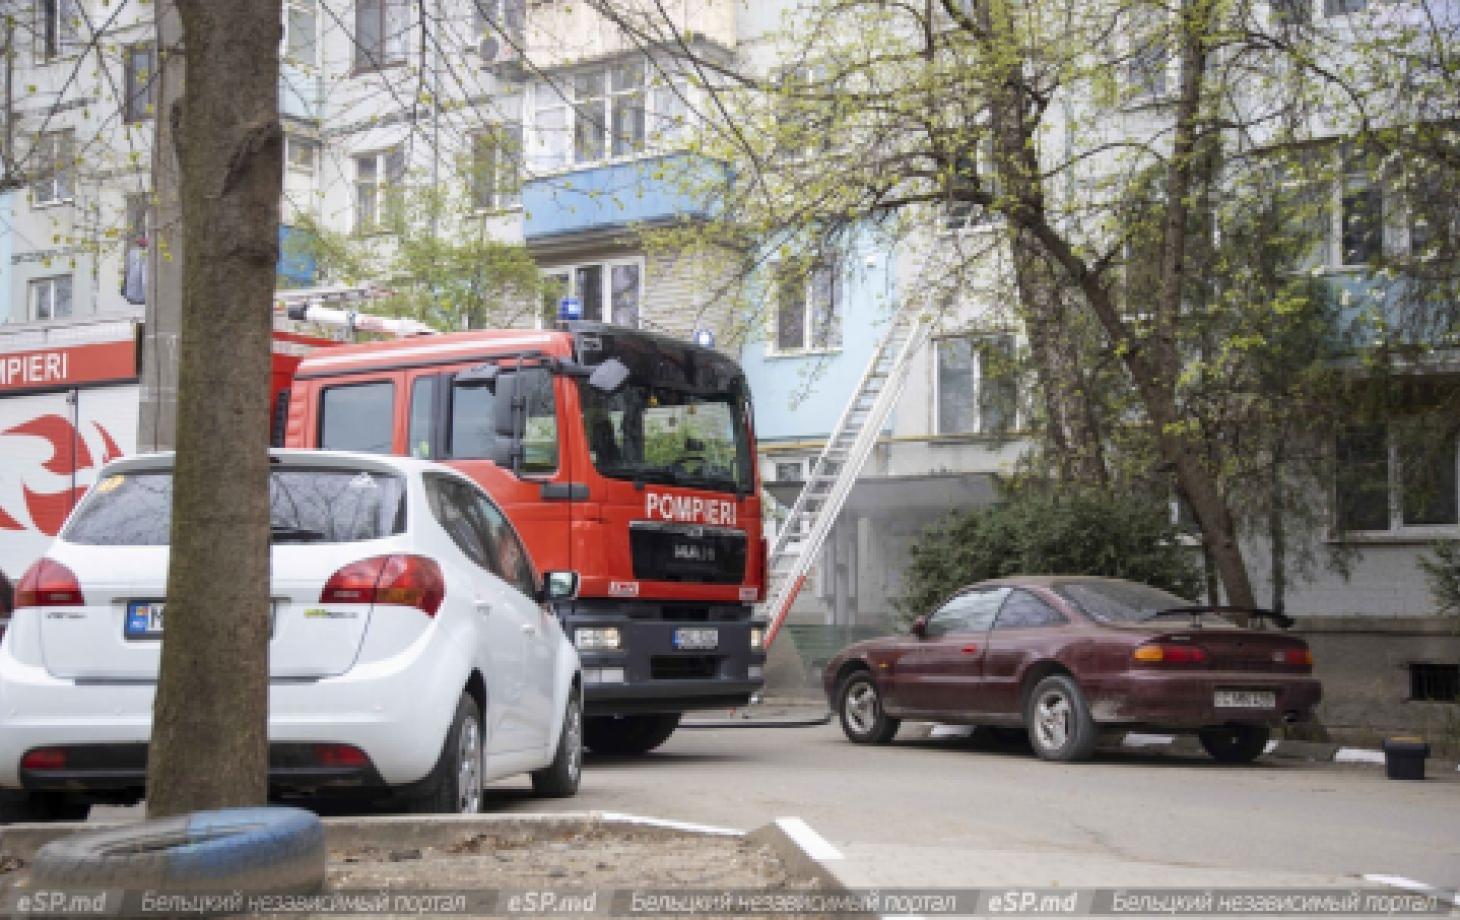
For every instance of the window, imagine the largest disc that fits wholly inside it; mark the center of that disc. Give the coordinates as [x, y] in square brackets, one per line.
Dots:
[971, 611]
[423, 413]
[609, 292]
[808, 308]
[612, 112]
[473, 420]
[380, 33]
[1145, 69]
[134, 265]
[301, 155]
[802, 112]
[358, 416]
[501, 26]
[1434, 218]
[1397, 476]
[975, 172]
[1437, 682]
[141, 67]
[50, 298]
[374, 174]
[792, 471]
[480, 530]
[55, 156]
[1023, 610]
[1303, 201]
[301, 33]
[1361, 211]
[496, 175]
[977, 385]
[1292, 12]
[59, 28]
[1341, 7]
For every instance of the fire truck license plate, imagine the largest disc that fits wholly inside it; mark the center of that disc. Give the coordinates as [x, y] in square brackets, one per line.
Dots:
[696, 638]
[1245, 699]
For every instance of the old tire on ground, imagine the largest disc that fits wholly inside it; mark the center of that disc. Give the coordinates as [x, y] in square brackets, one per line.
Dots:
[454, 785]
[859, 704]
[559, 779]
[1058, 722]
[1234, 743]
[17, 806]
[628, 734]
[274, 849]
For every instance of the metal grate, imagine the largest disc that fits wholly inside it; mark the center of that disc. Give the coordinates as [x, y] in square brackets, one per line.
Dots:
[1434, 682]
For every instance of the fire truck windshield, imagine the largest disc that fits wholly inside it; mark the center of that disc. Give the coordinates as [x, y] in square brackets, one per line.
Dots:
[669, 435]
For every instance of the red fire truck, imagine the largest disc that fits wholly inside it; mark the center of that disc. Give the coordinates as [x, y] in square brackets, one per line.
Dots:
[625, 456]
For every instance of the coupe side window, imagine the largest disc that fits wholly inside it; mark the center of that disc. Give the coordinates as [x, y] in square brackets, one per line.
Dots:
[1023, 610]
[971, 611]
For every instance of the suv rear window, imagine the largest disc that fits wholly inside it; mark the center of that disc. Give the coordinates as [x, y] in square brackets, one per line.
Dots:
[310, 505]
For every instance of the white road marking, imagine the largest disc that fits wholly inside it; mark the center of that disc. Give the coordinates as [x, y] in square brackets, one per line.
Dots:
[1409, 884]
[1358, 755]
[1141, 739]
[810, 842]
[619, 818]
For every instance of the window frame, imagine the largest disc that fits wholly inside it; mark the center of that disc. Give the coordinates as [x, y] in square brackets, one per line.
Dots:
[389, 49]
[496, 168]
[662, 119]
[835, 339]
[390, 168]
[310, 9]
[606, 312]
[50, 283]
[57, 152]
[493, 18]
[1394, 492]
[1016, 417]
[139, 94]
[389, 417]
[57, 29]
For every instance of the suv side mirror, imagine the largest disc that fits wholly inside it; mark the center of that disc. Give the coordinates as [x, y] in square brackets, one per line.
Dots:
[559, 586]
[919, 627]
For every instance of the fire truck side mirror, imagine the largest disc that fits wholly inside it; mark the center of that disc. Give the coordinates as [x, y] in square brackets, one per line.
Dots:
[609, 376]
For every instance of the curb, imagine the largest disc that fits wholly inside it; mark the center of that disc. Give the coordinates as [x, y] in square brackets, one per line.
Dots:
[802, 849]
[749, 721]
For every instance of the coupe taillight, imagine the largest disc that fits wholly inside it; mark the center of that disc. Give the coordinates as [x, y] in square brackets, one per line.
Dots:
[1169, 653]
[406, 581]
[48, 583]
[1300, 657]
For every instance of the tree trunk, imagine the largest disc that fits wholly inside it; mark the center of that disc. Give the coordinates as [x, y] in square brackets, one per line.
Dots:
[209, 740]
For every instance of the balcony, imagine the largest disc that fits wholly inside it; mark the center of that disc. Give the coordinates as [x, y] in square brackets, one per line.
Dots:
[617, 196]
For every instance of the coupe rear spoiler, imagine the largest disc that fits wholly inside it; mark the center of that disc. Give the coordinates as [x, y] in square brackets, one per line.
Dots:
[1280, 620]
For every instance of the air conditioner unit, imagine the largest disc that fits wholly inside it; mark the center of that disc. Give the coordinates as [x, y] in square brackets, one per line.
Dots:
[495, 52]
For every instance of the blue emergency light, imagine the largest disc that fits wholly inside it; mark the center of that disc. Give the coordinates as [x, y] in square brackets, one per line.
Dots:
[570, 308]
[703, 338]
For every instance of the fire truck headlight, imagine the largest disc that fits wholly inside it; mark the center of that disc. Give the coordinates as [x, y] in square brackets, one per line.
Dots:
[757, 638]
[597, 638]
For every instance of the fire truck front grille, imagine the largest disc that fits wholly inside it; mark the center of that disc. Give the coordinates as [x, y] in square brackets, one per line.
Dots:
[683, 667]
[667, 552]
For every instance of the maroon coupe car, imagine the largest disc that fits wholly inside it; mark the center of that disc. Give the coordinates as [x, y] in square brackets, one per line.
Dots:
[1067, 657]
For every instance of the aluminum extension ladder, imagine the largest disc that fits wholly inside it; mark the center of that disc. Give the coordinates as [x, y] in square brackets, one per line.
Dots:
[839, 464]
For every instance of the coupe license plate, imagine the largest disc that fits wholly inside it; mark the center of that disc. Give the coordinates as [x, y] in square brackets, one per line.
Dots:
[1245, 699]
[696, 638]
[144, 619]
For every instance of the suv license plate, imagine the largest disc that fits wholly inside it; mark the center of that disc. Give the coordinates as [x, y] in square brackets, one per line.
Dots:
[1245, 699]
[144, 619]
[696, 638]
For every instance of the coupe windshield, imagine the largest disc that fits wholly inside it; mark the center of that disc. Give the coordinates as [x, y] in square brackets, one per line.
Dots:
[1117, 601]
[667, 435]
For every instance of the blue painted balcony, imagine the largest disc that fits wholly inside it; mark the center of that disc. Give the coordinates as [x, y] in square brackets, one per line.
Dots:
[1372, 309]
[618, 195]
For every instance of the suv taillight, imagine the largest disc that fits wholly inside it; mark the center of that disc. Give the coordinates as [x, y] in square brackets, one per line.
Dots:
[407, 581]
[48, 583]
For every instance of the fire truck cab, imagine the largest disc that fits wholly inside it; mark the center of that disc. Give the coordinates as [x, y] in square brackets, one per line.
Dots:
[624, 456]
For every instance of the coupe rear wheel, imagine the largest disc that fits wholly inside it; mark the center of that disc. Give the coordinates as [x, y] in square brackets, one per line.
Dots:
[628, 734]
[1058, 721]
[859, 704]
[454, 785]
[1234, 743]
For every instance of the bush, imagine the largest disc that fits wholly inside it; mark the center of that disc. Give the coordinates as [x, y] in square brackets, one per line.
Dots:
[1049, 533]
[1442, 571]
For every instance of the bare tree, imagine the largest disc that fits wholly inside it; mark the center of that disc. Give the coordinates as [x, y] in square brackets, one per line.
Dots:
[209, 742]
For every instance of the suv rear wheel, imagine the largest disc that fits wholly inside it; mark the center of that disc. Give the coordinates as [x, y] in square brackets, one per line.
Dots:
[454, 785]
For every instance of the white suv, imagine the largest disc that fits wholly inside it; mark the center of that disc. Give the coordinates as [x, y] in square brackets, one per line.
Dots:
[411, 652]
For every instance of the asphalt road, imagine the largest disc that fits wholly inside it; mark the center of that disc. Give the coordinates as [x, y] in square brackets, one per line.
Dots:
[960, 813]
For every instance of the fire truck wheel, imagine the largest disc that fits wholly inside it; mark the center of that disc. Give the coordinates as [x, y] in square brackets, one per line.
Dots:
[628, 734]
